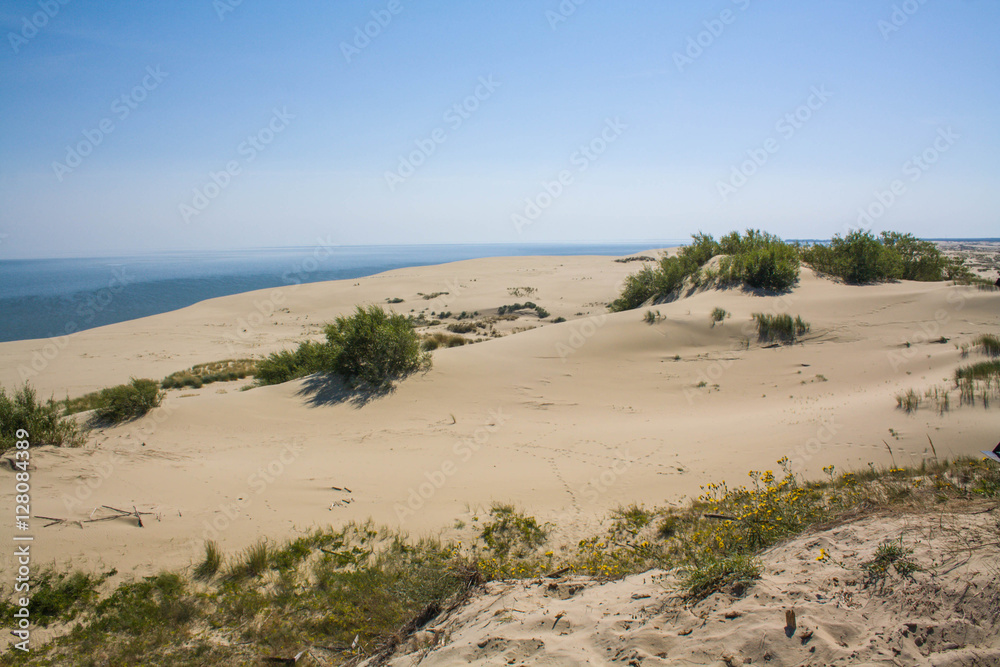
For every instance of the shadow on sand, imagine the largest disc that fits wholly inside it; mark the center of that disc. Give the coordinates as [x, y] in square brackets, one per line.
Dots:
[320, 389]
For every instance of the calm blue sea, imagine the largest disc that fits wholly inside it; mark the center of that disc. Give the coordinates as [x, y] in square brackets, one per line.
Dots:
[41, 298]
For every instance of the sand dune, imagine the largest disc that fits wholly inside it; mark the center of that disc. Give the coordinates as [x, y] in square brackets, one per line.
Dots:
[567, 420]
[945, 616]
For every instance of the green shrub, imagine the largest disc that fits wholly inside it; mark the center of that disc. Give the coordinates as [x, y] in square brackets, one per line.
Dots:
[461, 327]
[718, 314]
[128, 401]
[374, 347]
[279, 367]
[43, 421]
[638, 288]
[919, 260]
[859, 258]
[759, 260]
[440, 339]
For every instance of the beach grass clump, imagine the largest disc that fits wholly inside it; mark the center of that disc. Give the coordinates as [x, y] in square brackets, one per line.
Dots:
[210, 564]
[988, 344]
[731, 574]
[438, 339]
[510, 309]
[718, 314]
[279, 367]
[198, 375]
[908, 401]
[24, 417]
[984, 370]
[779, 327]
[511, 532]
[128, 401]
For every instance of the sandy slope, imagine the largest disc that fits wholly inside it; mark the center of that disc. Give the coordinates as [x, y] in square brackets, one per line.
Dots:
[567, 420]
[946, 616]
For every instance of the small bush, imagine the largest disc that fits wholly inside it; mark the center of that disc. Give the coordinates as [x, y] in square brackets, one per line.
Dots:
[279, 367]
[374, 347]
[558, 320]
[128, 401]
[462, 327]
[394, 300]
[511, 532]
[649, 317]
[719, 314]
[43, 421]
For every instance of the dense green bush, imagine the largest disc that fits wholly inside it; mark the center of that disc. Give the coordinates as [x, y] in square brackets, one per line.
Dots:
[42, 421]
[759, 260]
[374, 347]
[128, 401]
[756, 259]
[861, 258]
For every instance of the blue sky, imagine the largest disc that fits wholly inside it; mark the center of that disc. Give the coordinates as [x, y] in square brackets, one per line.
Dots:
[133, 127]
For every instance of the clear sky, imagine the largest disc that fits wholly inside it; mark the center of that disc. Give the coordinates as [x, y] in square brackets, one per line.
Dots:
[133, 127]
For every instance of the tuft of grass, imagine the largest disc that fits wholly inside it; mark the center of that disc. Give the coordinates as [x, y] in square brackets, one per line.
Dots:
[718, 314]
[732, 574]
[908, 402]
[226, 370]
[889, 554]
[440, 339]
[511, 532]
[988, 344]
[211, 563]
[780, 327]
[984, 370]
[650, 317]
